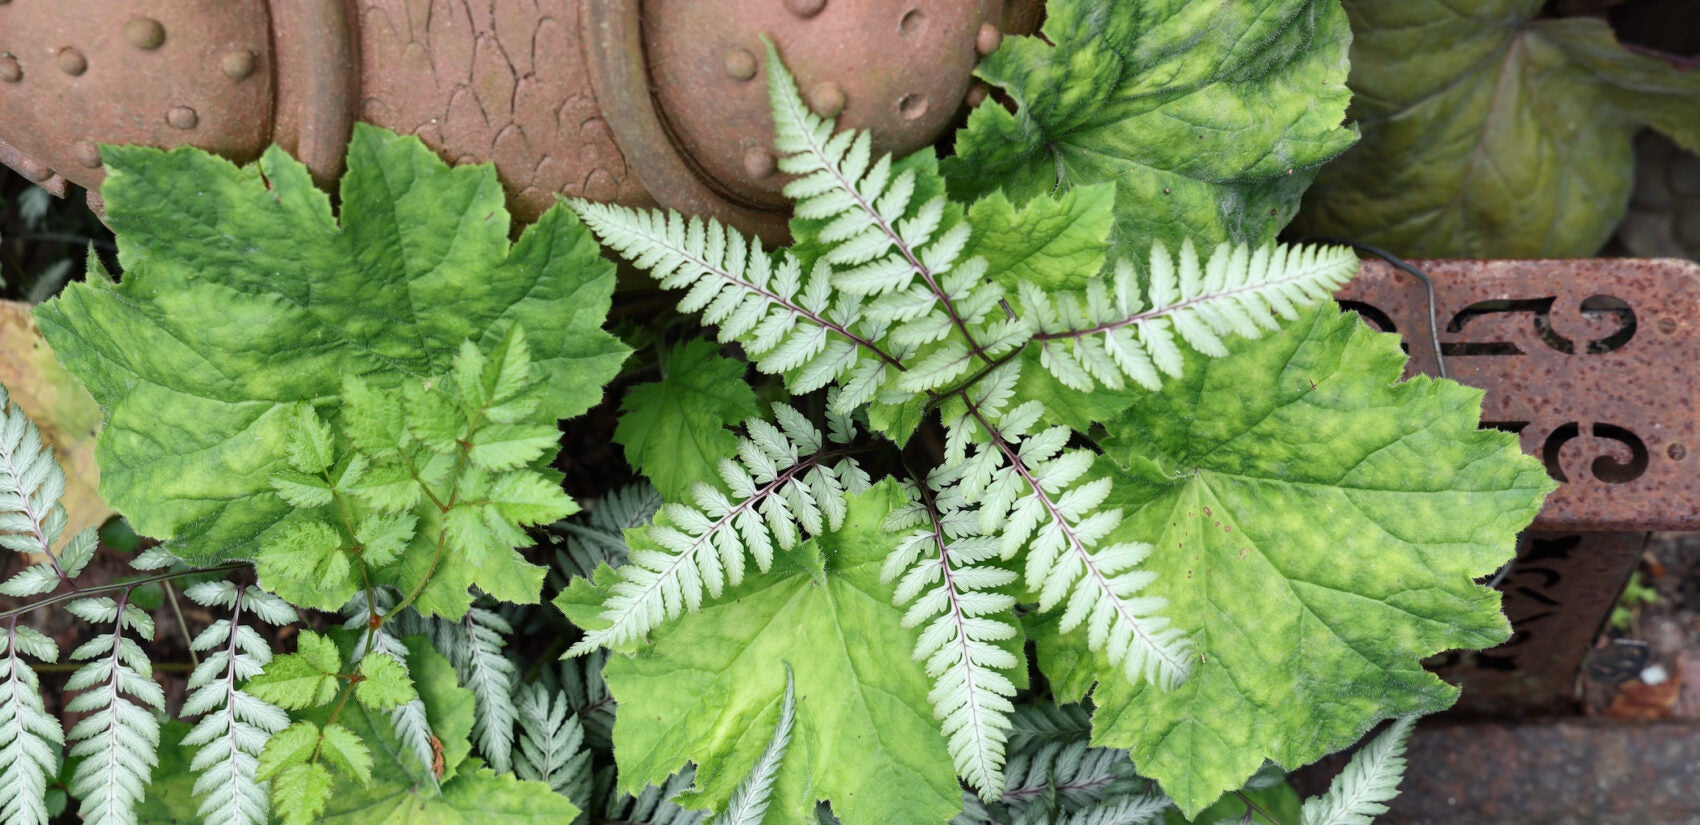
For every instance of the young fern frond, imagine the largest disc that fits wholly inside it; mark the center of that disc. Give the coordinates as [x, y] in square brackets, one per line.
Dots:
[785, 484]
[1037, 495]
[1112, 331]
[474, 645]
[234, 725]
[30, 740]
[1370, 780]
[748, 805]
[551, 744]
[942, 570]
[118, 739]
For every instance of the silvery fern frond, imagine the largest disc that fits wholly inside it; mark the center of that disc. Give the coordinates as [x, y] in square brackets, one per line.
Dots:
[551, 744]
[1110, 330]
[408, 719]
[654, 805]
[1122, 810]
[1073, 773]
[1361, 791]
[748, 805]
[1031, 726]
[587, 696]
[474, 645]
[788, 323]
[118, 738]
[1035, 494]
[30, 739]
[599, 537]
[234, 725]
[941, 568]
[31, 517]
[890, 233]
[785, 484]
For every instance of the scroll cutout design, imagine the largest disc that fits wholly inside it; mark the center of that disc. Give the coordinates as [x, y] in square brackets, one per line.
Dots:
[1541, 308]
[1604, 468]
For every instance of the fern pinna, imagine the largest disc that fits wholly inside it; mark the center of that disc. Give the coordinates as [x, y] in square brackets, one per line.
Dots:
[881, 299]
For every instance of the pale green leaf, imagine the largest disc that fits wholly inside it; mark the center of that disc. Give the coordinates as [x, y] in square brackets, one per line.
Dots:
[710, 687]
[303, 679]
[1209, 118]
[1053, 243]
[343, 750]
[383, 683]
[675, 430]
[300, 793]
[1493, 131]
[1319, 529]
[291, 746]
[234, 336]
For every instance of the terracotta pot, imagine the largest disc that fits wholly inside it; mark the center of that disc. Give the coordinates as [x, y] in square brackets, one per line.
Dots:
[633, 101]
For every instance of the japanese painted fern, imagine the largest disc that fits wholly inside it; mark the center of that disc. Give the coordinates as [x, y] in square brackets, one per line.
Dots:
[881, 300]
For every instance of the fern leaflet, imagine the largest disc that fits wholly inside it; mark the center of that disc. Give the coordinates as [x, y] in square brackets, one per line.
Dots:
[749, 802]
[30, 739]
[551, 744]
[1111, 331]
[408, 719]
[785, 483]
[118, 739]
[955, 595]
[474, 645]
[654, 805]
[601, 537]
[1361, 791]
[234, 724]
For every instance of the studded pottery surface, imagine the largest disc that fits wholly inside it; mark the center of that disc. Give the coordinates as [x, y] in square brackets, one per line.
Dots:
[1593, 363]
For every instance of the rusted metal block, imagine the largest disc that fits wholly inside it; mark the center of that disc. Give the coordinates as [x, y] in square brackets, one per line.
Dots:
[1591, 362]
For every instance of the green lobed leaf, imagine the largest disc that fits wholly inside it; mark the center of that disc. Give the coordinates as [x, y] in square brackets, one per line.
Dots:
[303, 679]
[674, 430]
[170, 797]
[477, 797]
[244, 296]
[1490, 132]
[1210, 118]
[342, 749]
[1319, 526]
[301, 792]
[709, 688]
[293, 745]
[1052, 243]
[384, 683]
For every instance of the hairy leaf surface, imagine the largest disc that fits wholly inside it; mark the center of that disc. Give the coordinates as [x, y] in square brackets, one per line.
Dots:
[243, 295]
[709, 688]
[1318, 530]
[1211, 118]
[674, 430]
[1490, 133]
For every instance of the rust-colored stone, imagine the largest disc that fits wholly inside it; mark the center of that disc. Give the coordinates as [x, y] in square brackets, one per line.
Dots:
[633, 101]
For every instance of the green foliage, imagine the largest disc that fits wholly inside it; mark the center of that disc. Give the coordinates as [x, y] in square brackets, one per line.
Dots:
[237, 336]
[306, 678]
[1493, 131]
[716, 679]
[1370, 780]
[674, 430]
[1210, 119]
[1221, 429]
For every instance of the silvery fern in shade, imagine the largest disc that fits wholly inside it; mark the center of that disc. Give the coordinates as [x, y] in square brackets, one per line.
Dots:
[653, 805]
[118, 738]
[787, 483]
[748, 805]
[941, 568]
[1361, 791]
[30, 739]
[234, 725]
[600, 537]
[474, 645]
[551, 744]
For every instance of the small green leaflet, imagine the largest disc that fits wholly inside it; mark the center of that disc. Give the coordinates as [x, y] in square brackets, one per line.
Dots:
[1319, 527]
[304, 679]
[1052, 243]
[1497, 132]
[674, 430]
[1210, 118]
[244, 296]
[710, 687]
[383, 683]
